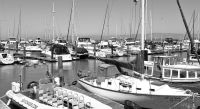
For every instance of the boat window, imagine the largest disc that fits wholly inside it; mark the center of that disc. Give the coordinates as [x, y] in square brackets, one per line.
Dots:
[174, 73]
[166, 72]
[191, 74]
[167, 61]
[183, 74]
[198, 74]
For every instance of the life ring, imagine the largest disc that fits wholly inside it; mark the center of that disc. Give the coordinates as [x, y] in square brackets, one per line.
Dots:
[32, 84]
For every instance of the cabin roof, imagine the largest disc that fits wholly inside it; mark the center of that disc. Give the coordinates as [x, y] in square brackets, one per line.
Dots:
[186, 67]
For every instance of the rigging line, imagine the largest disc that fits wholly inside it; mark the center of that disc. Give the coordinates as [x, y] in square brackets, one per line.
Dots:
[104, 20]
[193, 49]
[135, 17]
[179, 102]
[69, 25]
[189, 25]
[131, 19]
[137, 30]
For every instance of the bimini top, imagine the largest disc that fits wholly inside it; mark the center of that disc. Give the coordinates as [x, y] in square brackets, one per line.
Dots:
[186, 67]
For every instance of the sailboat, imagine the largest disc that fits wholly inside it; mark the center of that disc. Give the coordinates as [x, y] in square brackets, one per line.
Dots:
[57, 49]
[144, 92]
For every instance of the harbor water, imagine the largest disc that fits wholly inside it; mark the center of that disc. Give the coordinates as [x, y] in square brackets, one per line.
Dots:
[11, 73]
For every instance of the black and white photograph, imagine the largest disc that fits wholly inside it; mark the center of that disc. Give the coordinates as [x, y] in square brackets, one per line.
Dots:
[99, 54]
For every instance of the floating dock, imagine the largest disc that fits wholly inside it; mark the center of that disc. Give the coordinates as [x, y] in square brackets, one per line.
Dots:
[48, 59]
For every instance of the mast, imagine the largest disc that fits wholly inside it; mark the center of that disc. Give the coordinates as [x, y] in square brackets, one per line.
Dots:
[14, 29]
[53, 18]
[193, 23]
[145, 28]
[198, 26]
[116, 31]
[72, 31]
[151, 26]
[188, 32]
[104, 20]
[70, 21]
[131, 20]
[142, 29]
[19, 31]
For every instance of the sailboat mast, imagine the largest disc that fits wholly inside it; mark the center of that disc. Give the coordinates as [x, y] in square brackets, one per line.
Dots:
[145, 29]
[53, 18]
[198, 26]
[142, 29]
[193, 24]
[72, 31]
[104, 20]
[151, 26]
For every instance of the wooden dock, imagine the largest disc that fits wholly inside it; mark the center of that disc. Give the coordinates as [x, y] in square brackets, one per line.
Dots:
[48, 59]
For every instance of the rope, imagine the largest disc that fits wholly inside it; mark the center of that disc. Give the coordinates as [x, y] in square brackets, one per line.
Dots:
[179, 103]
[2, 96]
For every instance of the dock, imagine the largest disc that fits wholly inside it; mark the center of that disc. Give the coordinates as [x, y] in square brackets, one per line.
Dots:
[108, 102]
[48, 59]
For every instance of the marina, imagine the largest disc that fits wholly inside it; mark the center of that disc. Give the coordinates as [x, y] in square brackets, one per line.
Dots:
[107, 55]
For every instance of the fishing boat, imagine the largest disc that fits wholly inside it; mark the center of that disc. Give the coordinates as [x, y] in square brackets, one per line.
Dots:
[6, 58]
[145, 93]
[58, 50]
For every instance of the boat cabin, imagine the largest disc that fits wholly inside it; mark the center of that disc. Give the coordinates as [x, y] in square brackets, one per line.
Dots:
[181, 73]
[107, 70]
[165, 60]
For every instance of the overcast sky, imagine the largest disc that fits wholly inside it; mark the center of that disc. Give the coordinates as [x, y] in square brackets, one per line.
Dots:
[36, 16]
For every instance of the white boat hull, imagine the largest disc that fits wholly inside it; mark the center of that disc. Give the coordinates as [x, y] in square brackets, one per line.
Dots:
[65, 57]
[144, 100]
[7, 59]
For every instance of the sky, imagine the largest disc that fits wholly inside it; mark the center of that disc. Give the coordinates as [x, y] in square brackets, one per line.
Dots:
[36, 17]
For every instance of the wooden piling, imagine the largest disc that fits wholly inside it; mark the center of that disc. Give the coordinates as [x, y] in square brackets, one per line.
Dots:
[94, 49]
[75, 48]
[24, 52]
[16, 46]
[60, 71]
[188, 56]
[52, 51]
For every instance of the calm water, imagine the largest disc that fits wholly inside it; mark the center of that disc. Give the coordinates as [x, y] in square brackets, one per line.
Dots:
[10, 73]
